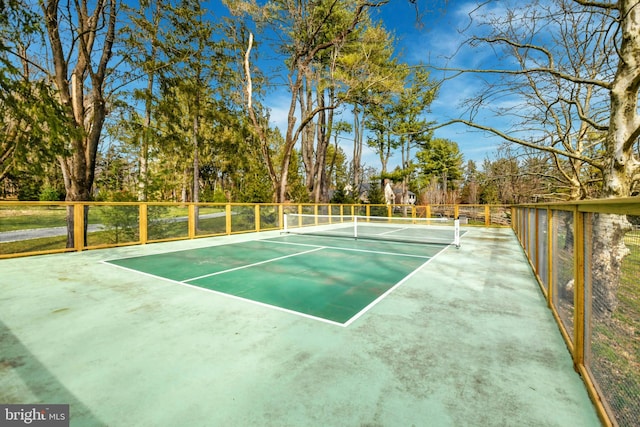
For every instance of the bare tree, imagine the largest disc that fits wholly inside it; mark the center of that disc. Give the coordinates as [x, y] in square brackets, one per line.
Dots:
[80, 42]
[575, 68]
[308, 30]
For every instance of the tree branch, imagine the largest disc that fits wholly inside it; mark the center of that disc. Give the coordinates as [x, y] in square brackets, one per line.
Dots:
[585, 118]
[549, 149]
[540, 70]
[599, 4]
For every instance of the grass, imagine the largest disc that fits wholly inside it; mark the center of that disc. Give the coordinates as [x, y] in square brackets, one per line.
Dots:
[616, 342]
[35, 217]
[121, 225]
[34, 245]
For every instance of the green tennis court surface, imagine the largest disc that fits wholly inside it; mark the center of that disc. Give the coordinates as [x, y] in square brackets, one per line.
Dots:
[330, 279]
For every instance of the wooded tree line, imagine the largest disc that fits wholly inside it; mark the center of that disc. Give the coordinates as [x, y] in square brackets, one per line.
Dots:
[162, 100]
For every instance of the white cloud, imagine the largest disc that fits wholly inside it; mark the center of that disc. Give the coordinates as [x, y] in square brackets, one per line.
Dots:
[440, 43]
[278, 104]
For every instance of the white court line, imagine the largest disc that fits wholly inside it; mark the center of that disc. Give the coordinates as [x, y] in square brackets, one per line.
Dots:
[282, 309]
[391, 289]
[317, 248]
[393, 231]
[396, 230]
[227, 295]
[348, 249]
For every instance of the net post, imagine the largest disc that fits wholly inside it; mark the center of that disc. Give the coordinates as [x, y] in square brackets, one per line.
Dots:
[456, 231]
[285, 222]
[355, 226]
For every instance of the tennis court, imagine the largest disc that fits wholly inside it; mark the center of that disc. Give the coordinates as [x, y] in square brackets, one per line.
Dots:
[330, 279]
[444, 336]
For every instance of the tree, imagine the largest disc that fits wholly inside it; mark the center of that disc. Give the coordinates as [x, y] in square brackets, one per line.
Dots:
[189, 45]
[373, 76]
[32, 119]
[114, 173]
[321, 88]
[504, 180]
[142, 40]
[471, 188]
[552, 64]
[599, 96]
[337, 170]
[440, 159]
[80, 46]
[412, 128]
[308, 30]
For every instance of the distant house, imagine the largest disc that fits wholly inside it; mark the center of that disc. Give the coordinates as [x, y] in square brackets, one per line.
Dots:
[410, 198]
[361, 194]
[364, 188]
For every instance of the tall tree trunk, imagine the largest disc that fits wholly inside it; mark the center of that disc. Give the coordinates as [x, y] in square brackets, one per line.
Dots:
[619, 174]
[143, 178]
[307, 137]
[257, 126]
[143, 159]
[85, 104]
[607, 253]
[624, 122]
[196, 166]
[184, 193]
[321, 152]
[358, 127]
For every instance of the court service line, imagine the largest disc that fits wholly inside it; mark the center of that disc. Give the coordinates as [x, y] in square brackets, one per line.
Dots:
[390, 290]
[349, 249]
[394, 231]
[227, 295]
[317, 248]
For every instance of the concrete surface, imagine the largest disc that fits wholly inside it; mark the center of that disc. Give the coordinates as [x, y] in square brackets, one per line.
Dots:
[466, 341]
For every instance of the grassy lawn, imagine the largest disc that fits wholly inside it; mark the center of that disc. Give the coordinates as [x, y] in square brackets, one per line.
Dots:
[616, 342]
[34, 245]
[12, 219]
[121, 225]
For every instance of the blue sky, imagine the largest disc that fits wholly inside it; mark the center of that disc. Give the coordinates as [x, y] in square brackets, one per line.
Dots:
[434, 43]
[430, 43]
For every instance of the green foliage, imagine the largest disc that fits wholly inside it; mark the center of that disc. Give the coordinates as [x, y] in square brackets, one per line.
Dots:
[121, 222]
[375, 195]
[441, 159]
[49, 193]
[341, 197]
[255, 189]
[28, 190]
[337, 168]
[113, 172]
[33, 123]
[42, 182]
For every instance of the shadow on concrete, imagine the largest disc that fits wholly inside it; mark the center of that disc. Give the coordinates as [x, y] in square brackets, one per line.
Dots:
[42, 384]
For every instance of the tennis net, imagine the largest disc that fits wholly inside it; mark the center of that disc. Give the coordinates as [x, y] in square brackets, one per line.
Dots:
[443, 231]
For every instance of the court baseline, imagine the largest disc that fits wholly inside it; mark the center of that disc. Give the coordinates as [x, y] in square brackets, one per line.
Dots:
[336, 287]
